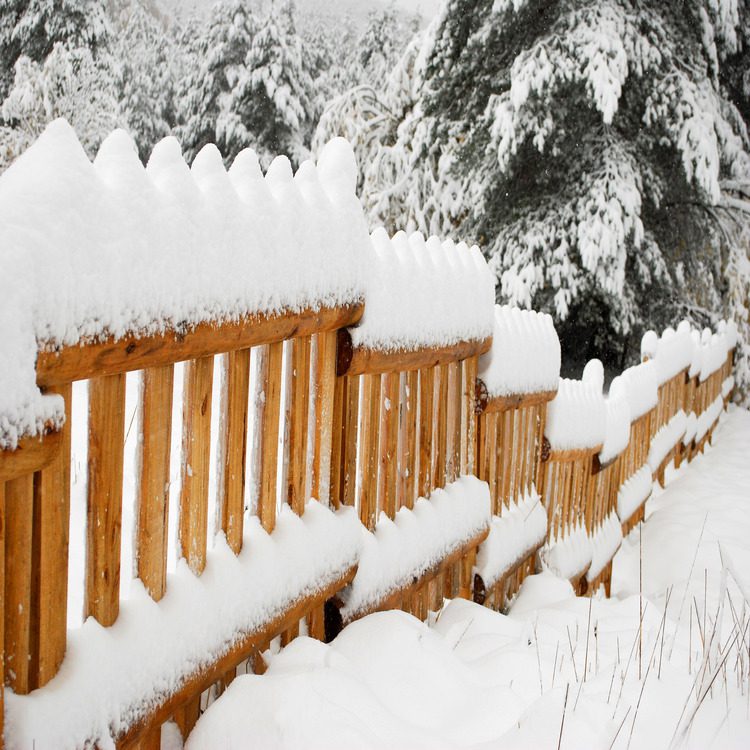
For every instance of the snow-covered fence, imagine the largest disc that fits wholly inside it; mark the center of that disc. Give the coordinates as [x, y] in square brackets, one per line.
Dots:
[404, 407]
[220, 294]
[633, 477]
[576, 430]
[517, 378]
[331, 423]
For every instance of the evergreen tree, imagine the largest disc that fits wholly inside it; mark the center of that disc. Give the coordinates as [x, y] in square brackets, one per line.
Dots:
[31, 28]
[146, 57]
[214, 64]
[270, 104]
[591, 149]
[69, 83]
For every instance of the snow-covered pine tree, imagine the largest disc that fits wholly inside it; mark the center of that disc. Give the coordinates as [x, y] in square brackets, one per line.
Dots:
[69, 83]
[383, 42]
[270, 102]
[214, 62]
[33, 27]
[589, 146]
[145, 59]
[330, 46]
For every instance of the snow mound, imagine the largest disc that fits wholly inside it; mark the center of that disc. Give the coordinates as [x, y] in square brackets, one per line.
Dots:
[708, 417]
[672, 352]
[617, 430]
[514, 535]
[525, 353]
[400, 550]
[111, 674]
[570, 555]
[727, 386]
[605, 541]
[577, 416]
[100, 249]
[642, 389]
[666, 438]
[634, 491]
[423, 294]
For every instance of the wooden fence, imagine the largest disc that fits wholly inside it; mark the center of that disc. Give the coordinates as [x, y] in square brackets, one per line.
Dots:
[386, 429]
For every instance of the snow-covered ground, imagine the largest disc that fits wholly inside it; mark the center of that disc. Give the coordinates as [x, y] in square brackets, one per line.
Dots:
[558, 671]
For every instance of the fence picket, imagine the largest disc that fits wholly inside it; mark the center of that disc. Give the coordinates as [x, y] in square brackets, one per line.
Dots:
[196, 456]
[152, 499]
[104, 501]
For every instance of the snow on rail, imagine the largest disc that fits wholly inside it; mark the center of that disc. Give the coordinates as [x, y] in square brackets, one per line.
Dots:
[525, 353]
[513, 536]
[577, 416]
[422, 294]
[111, 675]
[110, 248]
[402, 550]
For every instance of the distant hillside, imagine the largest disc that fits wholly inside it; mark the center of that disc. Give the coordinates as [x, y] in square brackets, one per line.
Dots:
[357, 9]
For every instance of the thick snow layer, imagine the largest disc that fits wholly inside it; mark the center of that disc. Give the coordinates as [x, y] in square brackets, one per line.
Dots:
[691, 425]
[708, 417]
[605, 542]
[672, 352]
[576, 417]
[727, 386]
[641, 387]
[525, 353]
[569, 556]
[617, 431]
[634, 492]
[91, 250]
[513, 536]
[666, 438]
[109, 672]
[416, 540]
[424, 294]
[714, 349]
[478, 679]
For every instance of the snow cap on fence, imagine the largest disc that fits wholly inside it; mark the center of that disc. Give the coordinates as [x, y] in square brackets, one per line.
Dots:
[672, 352]
[576, 417]
[525, 353]
[110, 247]
[641, 388]
[617, 431]
[423, 294]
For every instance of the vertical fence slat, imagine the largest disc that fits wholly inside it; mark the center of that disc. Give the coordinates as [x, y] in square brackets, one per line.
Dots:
[300, 393]
[349, 457]
[104, 503]
[339, 437]
[19, 501]
[325, 379]
[271, 375]
[234, 445]
[153, 482]
[196, 457]
[468, 416]
[388, 443]
[51, 533]
[369, 450]
[507, 455]
[426, 403]
[490, 475]
[439, 470]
